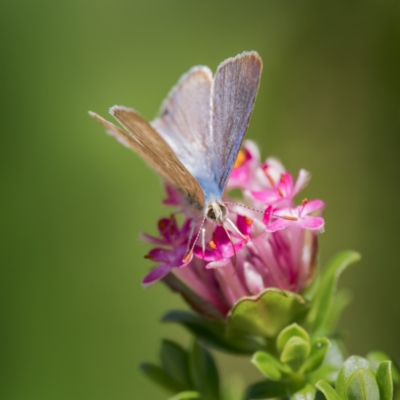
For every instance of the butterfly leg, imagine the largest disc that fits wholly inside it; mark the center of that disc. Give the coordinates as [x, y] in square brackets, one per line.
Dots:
[192, 225]
[235, 229]
[203, 240]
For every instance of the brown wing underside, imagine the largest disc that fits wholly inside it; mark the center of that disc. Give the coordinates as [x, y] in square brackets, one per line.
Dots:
[146, 142]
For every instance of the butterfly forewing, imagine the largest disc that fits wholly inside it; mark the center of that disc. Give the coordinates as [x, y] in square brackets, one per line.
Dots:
[145, 141]
[234, 92]
[184, 123]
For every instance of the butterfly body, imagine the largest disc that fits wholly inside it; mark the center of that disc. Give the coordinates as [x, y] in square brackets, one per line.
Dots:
[194, 142]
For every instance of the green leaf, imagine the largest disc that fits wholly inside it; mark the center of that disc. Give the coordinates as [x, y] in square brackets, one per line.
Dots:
[319, 315]
[325, 372]
[328, 391]
[361, 385]
[267, 313]
[174, 360]
[339, 302]
[295, 352]
[204, 372]
[268, 365]
[376, 357]
[288, 333]
[186, 396]
[212, 333]
[384, 379]
[305, 393]
[233, 388]
[160, 377]
[318, 352]
[266, 390]
[350, 366]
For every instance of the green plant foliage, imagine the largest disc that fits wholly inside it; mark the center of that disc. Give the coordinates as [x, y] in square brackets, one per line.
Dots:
[174, 360]
[268, 365]
[359, 380]
[186, 396]
[305, 393]
[376, 357]
[325, 304]
[384, 380]
[160, 377]
[361, 385]
[299, 366]
[328, 391]
[318, 352]
[350, 366]
[295, 352]
[185, 375]
[266, 314]
[289, 332]
[213, 333]
[266, 390]
[204, 372]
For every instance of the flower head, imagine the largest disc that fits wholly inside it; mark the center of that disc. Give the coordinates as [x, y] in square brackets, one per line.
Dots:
[275, 246]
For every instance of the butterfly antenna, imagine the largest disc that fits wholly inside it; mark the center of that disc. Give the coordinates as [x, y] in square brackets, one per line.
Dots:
[259, 211]
[190, 252]
[233, 248]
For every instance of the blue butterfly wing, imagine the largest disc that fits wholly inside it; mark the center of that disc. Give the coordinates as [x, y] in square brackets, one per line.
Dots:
[184, 123]
[234, 92]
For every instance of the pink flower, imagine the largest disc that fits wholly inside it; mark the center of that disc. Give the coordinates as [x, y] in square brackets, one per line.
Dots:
[273, 247]
[282, 191]
[299, 216]
[243, 174]
[175, 241]
[221, 249]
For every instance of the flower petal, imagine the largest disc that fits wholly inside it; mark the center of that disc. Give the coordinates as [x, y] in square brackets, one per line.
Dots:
[252, 148]
[312, 223]
[302, 181]
[218, 264]
[151, 239]
[156, 274]
[159, 255]
[253, 279]
[312, 206]
[268, 196]
[278, 225]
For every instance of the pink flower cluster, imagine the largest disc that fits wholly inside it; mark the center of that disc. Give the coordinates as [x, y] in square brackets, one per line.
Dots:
[274, 245]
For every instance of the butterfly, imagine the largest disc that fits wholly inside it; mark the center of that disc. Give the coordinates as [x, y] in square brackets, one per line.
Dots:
[195, 140]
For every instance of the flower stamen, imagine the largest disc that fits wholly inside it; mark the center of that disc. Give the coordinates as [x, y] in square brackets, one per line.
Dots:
[187, 257]
[248, 221]
[269, 177]
[241, 158]
[287, 217]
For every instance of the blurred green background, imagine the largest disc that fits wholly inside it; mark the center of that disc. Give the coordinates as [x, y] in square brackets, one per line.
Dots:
[75, 321]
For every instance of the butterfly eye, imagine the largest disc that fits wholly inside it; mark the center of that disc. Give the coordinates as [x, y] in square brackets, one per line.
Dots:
[211, 213]
[217, 212]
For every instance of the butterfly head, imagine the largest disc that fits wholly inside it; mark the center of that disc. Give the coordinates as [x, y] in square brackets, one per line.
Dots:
[217, 212]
